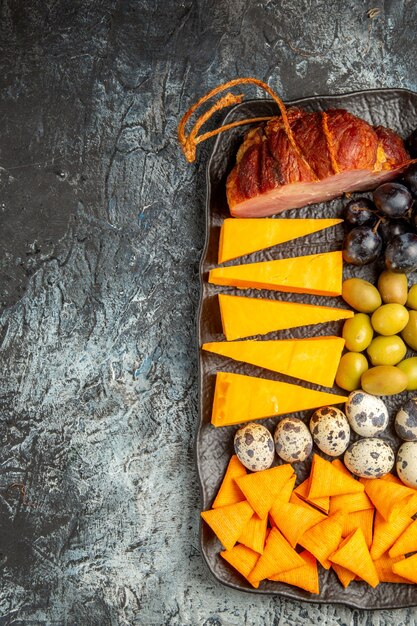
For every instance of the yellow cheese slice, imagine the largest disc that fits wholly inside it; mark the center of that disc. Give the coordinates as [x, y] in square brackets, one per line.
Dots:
[315, 360]
[239, 398]
[245, 317]
[319, 274]
[243, 236]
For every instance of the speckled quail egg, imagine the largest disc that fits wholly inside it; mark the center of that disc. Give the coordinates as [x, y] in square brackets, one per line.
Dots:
[406, 420]
[254, 447]
[367, 414]
[293, 441]
[369, 458]
[407, 463]
[330, 430]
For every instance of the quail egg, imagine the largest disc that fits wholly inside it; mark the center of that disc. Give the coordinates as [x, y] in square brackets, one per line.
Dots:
[406, 421]
[254, 447]
[293, 441]
[407, 463]
[330, 430]
[367, 414]
[369, 458]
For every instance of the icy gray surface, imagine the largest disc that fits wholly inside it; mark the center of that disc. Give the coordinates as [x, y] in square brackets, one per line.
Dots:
[101, 235]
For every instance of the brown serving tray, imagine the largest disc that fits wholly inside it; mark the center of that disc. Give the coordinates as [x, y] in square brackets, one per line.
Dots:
[395, 108]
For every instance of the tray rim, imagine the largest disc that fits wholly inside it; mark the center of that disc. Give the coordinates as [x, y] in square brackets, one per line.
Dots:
[267, 592]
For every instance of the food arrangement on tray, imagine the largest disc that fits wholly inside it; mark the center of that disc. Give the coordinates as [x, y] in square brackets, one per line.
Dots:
[314, 487]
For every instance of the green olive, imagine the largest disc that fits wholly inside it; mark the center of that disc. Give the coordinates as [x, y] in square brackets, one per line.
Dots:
[409, 333]
[351, 367]
[361, 295]
[357, 332]
[393, 287]
[386, 350]
[390, 319]
[409, 367]
[412, 298]
[384, 380]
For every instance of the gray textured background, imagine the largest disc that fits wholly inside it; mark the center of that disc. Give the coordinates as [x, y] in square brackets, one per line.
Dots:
[101, 235]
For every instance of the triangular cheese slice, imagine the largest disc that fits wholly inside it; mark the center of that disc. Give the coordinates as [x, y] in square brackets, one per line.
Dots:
[239, 398]
[242, 558]
[324, 538]
[244, 236]
[407, 568]
[229, 492]
[228, 522]
[244, 317]
[407, 542]
[254, 534]
[293, 520]
[306, 577]
[386, 533]
[353, 554]
[278, 556]
[317, 274]
[315, 359]
[384, 566]
[261, 488]
[327, 480]
[387, 497]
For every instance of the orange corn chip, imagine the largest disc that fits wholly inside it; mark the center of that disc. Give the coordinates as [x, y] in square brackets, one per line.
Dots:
[243, 559]
[407, 542]
[295, 499]
[360, 519]
[320, 503]
[254, 534]
[391, 479]
[294, 520]
[387, 496]
[350, 503]
[344, 575]
[410, 506]
[229, 492]
[338, 464]
[327, 480]
[261, 488]
[324, 538]
[386, 533]
[407, 568]
[277, 557]
[353, 555]
[383, 568]
[285, 493]
[228, 522]
[305, 577]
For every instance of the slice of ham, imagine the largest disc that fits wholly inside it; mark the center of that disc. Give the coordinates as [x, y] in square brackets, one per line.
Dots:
[334, 152]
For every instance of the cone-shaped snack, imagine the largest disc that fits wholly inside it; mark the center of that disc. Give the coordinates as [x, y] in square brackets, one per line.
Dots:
[261, 488]
[386, 533]
[383, 567]
[254, 534]
[353, 554]
[294, 520]
[295, 499]
[305, 577]
[407, 542]
[243, 559]
[320, 503]
[228, 522]
[286, 491]
[350, 503]
[344, 575]
[360, 519]
[407, 568]
[277, 557]
[229, 492]
[387, 497]
[327, 480]
[324, 538]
